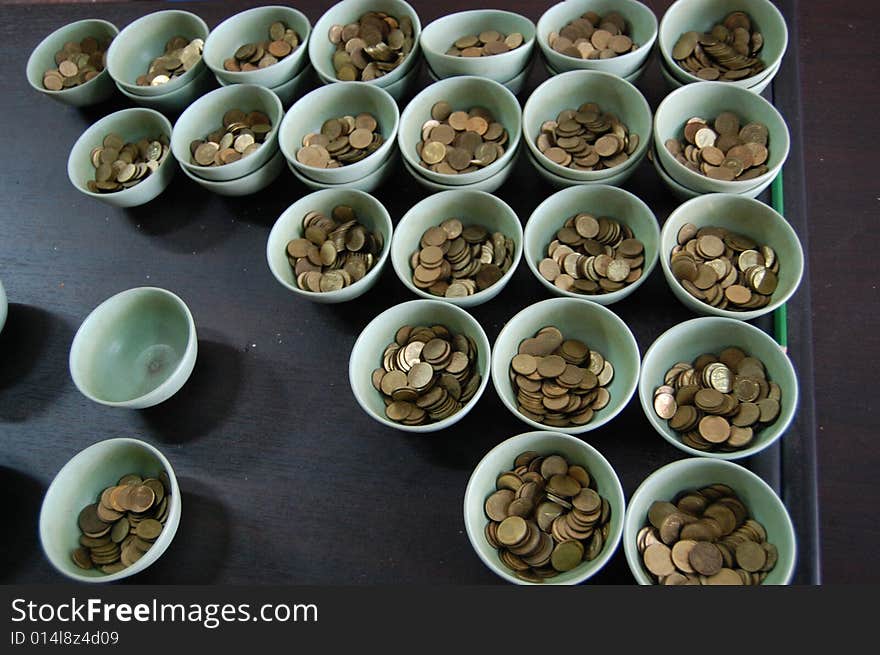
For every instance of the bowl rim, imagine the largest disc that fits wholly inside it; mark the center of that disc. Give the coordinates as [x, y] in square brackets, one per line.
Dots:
[442, 56]
[568, 182]
[317, 185]
[438, 187]
[211, 185]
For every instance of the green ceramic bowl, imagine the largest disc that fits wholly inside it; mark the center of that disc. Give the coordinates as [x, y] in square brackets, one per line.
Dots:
[367, 183]
[136, 349]
[751, 218]
[668, 481]
[596, 326]
[399, 90]
[140, 42]
[470, 207]
[42, 59]
[559, 182]
[132, 125]
[686, 341]
[438, 37]
[674, 83]
[293, 89]
[631, 78]
[80, 482]
[247, 184]
[598, 200]
[500, 459]
[366, 355]
[684, 194]
[178, 99]
[515, 84]
[4, 306]
[252, 26]
[489, 185]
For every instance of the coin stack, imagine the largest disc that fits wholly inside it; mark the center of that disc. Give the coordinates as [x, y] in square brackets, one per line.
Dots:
[455, 261]
[724, 269]
[593, 256]
[729, 51]
[460, 141]
[336, 252]
[706, 537]
[124, 523]
[120, 165]
[546, 517]
[559, 382]
[181, 54]
[372, 47]
[728, 152]
[586, 139]
[594, 37]
[485, 44]
[427, 374]
[718, 402]
[77, 63]
[253, 56]
[341, 141]
[242, 135]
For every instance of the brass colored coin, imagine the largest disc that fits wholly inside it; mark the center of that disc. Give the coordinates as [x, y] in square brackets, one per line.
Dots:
[730, 51]
[512, 531]
[596, 37]
[149, 529]
[658, 559]
[705, 558]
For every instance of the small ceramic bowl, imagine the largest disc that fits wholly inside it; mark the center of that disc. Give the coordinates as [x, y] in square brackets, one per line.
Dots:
[711, 334]
[763, 504]
[400, 90]
[310, 112]
[700, 15]
[206, 115]
[132, 52]
[463, 93]
[631, 78]
[674, 83]
[745, 216]
[500, 459]
[709, 99]
[515, 84]
[252, 26]
[684, 194]
[559, 182]
[569, 91]
[643, 30]
[80, 482]
[293, 89]
[4, 306]
[42, 59]
[438, 37]
[366, 355]
[136, 349]
[490, 184]
[471, 208]
[598, 200]
[368, 183]
[246, 185]
[589, 322]
[132, 125]
[370, 212]
[175, 101]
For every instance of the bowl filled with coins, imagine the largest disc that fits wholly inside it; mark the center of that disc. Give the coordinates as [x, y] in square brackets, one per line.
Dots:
[340, 133]
[587, 126]
[718, 387]
[110, 512]
[612, 36]
[703, 521]
[124, 159]
[462, 246]
[595, 242]
[565, 364]
[330, 246]
[544, 507]
[70, 64]
[420, 366]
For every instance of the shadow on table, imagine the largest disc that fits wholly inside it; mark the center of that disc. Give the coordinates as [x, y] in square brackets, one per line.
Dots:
[19, 547]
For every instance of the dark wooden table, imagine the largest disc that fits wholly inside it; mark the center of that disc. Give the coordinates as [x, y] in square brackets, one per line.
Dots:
[285, 481]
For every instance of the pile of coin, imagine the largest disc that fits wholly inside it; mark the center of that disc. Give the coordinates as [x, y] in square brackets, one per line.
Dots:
[706, 537]
[427, 374]
[546, 517]
[559, 382]
[252, 56]
[335, 252]
[718, 402]
[729, 51]
[594, 37]
[485, 44]
[77, 63]
[180, 55]
[724, 269]
[341, 141]
[460, 141]
[123, 524]
[593, 256]
[120, 165]
[242, 135]
[586, 139]
[454, 260]
[728, 152]
[371, 47]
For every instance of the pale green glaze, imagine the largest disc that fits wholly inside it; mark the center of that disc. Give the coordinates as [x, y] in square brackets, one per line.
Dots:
[683, 193]
[246, 185]
[631, 78]
[368, 183]
[559, 182]
[490, 184]
[179, 98]
[674, 83]
[4, 306]
[514, 84]
[399, 90]
[293, 89]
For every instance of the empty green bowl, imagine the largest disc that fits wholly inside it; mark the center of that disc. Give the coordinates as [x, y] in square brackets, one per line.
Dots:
[763, 504]
[559, 182]
[136, 349]
[489, 185]
[247, 184]
[179, 98]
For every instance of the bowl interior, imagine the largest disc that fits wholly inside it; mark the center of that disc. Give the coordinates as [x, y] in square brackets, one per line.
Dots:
[43, 56]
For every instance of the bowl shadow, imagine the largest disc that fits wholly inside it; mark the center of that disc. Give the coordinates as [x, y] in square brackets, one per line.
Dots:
[20, 549]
